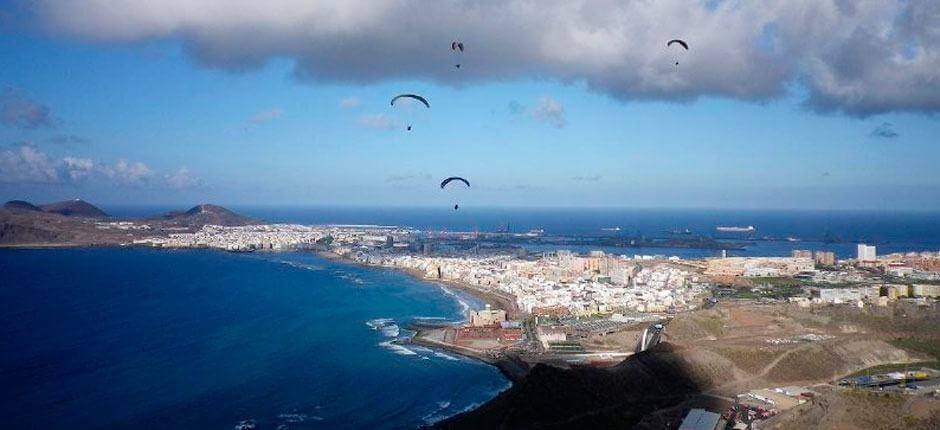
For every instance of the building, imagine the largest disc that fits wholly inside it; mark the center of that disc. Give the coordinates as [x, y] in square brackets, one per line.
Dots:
[866, 252]
[487, 317]
[700, 419]
[389, 241]
[925, 290]
[759, 266]
[802, 253]
[836, 295]
[825, 258]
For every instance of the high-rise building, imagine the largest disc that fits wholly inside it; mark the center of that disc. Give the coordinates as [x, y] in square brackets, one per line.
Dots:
[802, 253]
[866, 252]
[826, 258]
[389, 241]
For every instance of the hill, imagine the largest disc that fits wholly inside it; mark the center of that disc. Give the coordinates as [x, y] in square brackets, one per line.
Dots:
[21, 206]
[76, 207]
[586, 397]
[209, 214]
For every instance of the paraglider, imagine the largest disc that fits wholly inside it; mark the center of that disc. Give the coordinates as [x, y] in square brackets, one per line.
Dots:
[452, 179]
[457, 48]
[416, 97]
[447, 181]
[679, 42]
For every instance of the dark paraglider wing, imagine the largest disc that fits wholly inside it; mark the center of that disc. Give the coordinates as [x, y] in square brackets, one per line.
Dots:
[454, 178]
[680, 42]
[460, 46]
[411, 96]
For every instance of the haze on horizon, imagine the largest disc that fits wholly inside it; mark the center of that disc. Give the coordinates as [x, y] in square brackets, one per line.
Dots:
[781, 104]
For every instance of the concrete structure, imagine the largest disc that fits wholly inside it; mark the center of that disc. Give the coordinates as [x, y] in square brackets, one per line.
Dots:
[925, 290]
[825, 258]
[759, 266]
[836, 295]
[866, 252]
[487, 317]
[802, 253]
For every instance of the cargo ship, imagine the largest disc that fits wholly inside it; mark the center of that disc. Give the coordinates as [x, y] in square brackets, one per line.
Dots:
[747, 229]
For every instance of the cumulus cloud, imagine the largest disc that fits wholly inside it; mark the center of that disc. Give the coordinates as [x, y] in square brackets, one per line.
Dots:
[78, 168]
[885, 131]
[266, 116]
[549, 111]
[859, 57]
[128, 172]
[378, 122]
[20, 111]
[350, 103]
[183, 178]
[592, 178]
[26, 164]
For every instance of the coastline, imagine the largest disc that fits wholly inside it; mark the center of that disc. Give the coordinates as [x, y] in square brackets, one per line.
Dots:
[510, 365]
[491, 298]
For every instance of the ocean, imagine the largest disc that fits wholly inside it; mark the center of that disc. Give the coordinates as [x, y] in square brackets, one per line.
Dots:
[138, 338]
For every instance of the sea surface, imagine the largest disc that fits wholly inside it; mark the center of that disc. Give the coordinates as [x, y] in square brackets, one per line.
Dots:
[138, 338]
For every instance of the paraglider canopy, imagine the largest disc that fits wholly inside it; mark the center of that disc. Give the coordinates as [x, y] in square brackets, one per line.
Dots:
[680, 42]
[456, 45]
[454, 178]
[411, 96]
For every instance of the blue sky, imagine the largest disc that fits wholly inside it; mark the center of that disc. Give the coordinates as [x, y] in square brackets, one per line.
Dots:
[203, 133]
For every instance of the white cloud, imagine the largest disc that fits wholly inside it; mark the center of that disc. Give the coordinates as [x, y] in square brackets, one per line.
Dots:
[128, 172]
[183, 178]
[857, 56]
[78, 168]
[550, 111]
[26, 164]
[350, 103]
[378, 122]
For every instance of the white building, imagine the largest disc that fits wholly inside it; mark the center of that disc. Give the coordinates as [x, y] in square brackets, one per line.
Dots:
[866, 252]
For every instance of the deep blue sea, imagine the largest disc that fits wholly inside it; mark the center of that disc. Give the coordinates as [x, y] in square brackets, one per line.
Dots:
[136, 338]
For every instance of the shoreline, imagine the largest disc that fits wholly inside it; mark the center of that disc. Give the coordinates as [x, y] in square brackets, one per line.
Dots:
[510, 365]
[491, 298]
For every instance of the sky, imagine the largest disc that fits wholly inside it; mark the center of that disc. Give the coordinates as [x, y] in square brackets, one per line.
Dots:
[819, 104]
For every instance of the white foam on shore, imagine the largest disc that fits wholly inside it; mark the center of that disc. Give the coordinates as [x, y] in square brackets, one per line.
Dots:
[294, 264]
[464, 306]
[436, 415]
[396, 348]
[445, 356]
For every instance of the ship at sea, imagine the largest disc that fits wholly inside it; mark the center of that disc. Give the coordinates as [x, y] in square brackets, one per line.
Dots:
[747, 229]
